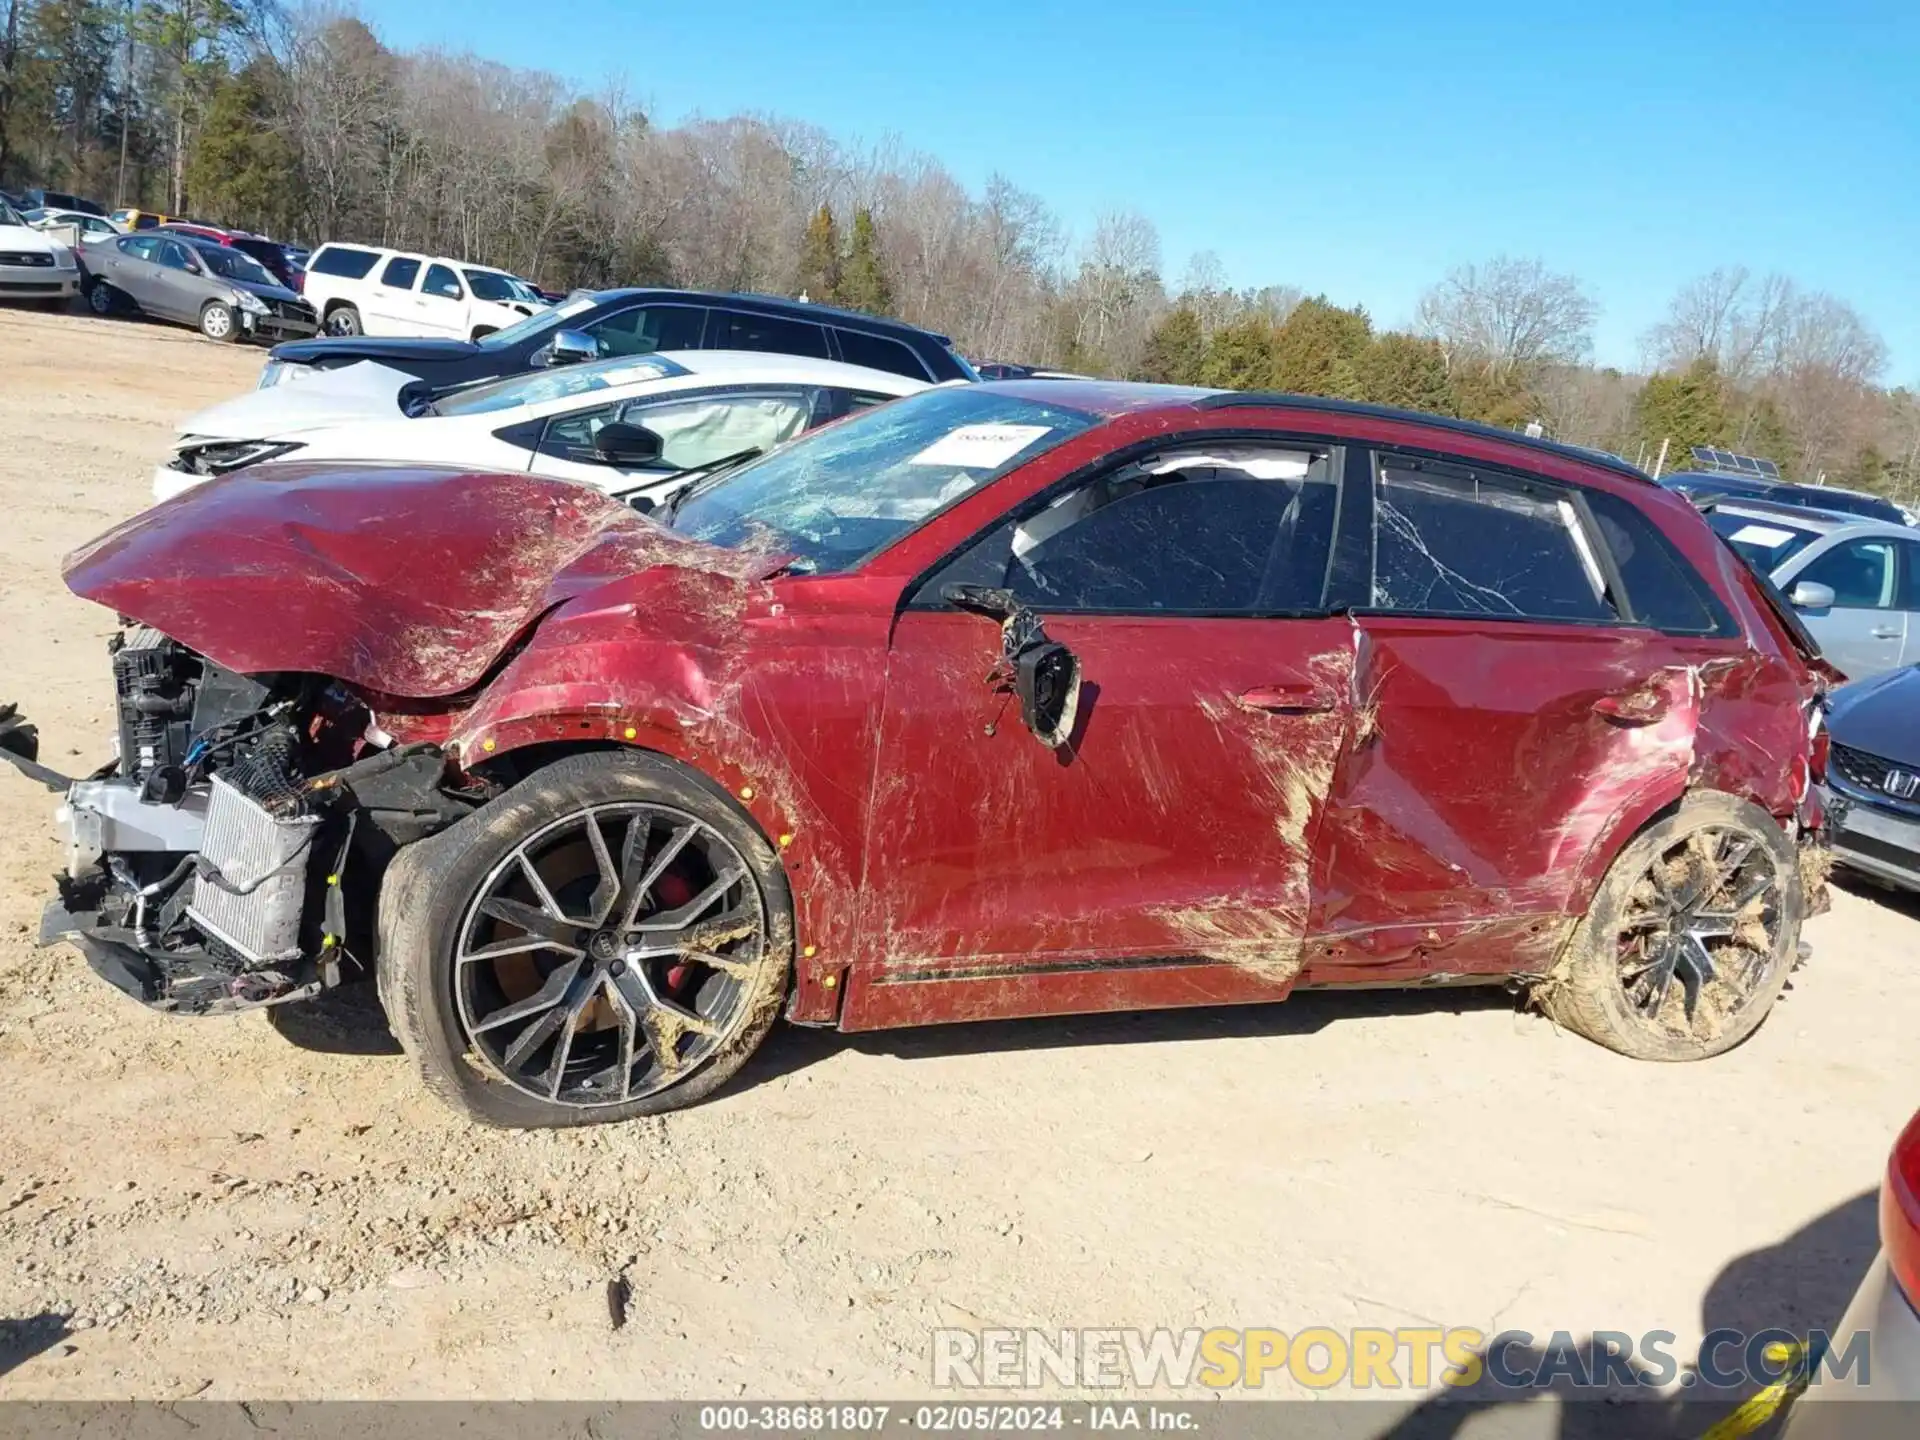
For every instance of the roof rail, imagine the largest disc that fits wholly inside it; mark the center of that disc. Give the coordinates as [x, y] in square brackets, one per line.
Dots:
[1239, 399]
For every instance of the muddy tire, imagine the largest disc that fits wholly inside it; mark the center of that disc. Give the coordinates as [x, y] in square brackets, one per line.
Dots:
[218, 322]
[610, 938]
[1690, 938]
[342, 320]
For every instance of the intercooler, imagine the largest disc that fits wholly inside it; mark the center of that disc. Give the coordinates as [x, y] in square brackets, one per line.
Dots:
[252, 888]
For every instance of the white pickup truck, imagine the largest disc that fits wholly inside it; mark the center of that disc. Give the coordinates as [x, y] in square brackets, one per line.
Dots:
[366, 290]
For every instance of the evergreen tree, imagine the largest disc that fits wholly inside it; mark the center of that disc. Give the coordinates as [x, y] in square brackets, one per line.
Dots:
[1240, 357]
[1176, 354]
[240, 161]
[863, 282]
[1492, 399]
[1683, 410]
[1317, 351]
[820, 259]
[1405, 370]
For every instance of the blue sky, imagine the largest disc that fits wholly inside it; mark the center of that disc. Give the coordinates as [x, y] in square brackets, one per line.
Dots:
[1360, 150]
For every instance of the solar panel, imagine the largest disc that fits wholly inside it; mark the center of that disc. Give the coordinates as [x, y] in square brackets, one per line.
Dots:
[1726, 462]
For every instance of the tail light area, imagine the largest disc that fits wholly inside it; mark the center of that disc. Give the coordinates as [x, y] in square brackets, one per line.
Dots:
[1900, 1212]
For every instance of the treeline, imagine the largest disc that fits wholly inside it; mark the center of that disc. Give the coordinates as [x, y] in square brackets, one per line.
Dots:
[301, 123]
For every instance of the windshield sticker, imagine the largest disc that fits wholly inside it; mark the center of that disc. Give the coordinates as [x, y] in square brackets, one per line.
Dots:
[980, 447]
[628, 374]
[1764, 535]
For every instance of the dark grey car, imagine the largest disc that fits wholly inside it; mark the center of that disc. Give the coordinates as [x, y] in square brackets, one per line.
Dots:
[1873, 776]
[222, 292]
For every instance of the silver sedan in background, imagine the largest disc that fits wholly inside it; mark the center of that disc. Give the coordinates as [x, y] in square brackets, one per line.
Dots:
[1854, 582]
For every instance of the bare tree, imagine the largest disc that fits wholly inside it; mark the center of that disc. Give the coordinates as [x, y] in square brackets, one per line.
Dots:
[1507, 316]
[1116, 295]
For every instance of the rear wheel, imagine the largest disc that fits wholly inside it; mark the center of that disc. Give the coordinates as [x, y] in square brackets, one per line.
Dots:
[102, 298]
[1690, 938]
[610, 938]
[480, 332]
[342, 320]
[217, 322]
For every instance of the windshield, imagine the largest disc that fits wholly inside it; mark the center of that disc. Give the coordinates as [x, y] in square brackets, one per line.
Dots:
[1765, 543]
[835, 497]
[562, 384]
[491, 285]
[232, 265]
[539, 323]
[8, 215]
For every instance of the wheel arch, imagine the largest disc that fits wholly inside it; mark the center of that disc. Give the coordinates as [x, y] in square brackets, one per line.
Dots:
[822, 891]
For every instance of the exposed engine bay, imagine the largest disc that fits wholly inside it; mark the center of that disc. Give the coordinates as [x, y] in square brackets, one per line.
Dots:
[230, 856]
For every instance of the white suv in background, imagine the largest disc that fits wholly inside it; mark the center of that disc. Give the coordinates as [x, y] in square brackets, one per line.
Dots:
[365, 290]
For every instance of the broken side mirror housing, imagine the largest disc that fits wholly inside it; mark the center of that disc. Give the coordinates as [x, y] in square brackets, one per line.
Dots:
[1042, 674]
[618, 443]
[1811, 595]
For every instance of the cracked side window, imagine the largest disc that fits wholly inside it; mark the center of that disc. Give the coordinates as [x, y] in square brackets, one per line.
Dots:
[1231, 529]
[1450, 541]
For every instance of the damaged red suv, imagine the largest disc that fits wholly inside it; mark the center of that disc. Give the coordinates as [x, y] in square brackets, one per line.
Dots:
[999, 700]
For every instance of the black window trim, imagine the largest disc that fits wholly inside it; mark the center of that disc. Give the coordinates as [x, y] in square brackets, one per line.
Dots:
[419, 269]
[711, 340]
[1341, 446]
[372, 253]
[835, 328]
[459, 283]
[706, 319]
[1628, 616]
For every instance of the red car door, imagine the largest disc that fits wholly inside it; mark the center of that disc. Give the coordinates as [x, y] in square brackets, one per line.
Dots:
[1513, 715]
[1162, 855]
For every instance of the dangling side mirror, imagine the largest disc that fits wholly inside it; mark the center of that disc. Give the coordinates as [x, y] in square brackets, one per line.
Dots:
[1042, 674]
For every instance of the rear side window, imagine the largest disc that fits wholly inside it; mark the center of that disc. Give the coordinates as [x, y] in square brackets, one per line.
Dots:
[1665, 591]
[400, 273]
[734, 330]
[1449, 540]
[877, 352]
[344, 261]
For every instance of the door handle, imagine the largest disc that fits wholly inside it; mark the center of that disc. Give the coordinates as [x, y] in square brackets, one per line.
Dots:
[1287, 699]
[1881, 632]
[1640, 706]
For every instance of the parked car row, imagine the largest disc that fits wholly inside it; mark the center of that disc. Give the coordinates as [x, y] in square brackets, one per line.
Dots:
[189, 278]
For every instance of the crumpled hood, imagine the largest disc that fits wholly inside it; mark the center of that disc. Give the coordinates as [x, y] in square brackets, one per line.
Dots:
[333, 397]
[407, 581]
[1880, 715]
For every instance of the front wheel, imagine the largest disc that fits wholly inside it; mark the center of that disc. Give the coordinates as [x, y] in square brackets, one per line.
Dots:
[1690, 938]
[217, 322]
[610, 938]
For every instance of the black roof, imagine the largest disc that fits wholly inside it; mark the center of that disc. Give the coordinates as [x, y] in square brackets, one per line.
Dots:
[1232, 399]
[776, 305]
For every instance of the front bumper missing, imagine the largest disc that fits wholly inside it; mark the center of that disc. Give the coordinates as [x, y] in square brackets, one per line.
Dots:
[176, 982]
[103, 818]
